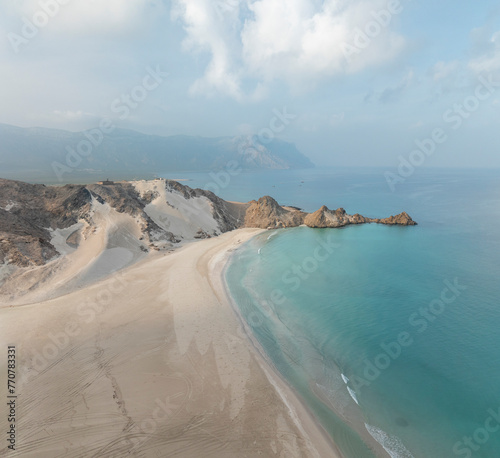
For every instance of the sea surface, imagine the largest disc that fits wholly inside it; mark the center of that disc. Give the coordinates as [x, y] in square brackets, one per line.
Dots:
[391, 335]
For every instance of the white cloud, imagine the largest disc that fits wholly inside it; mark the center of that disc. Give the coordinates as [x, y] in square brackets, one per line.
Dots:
[207, 31]
[105, 15]
[443, 70]
[300, 42]
[483, 58]
[87, 17]
[489, 60]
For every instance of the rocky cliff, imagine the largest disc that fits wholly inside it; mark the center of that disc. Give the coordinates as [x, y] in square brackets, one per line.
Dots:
[26, 214]
[38, 222]
[267, 213]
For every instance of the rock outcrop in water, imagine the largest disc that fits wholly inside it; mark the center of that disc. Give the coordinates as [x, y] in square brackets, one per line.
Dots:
[403, 219]
[165, 212]
[324, 218]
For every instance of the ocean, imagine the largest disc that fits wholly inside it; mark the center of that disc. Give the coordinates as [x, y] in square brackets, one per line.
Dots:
[389, 334]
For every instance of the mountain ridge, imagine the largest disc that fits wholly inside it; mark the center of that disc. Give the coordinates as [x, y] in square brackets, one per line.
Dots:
[60, 154]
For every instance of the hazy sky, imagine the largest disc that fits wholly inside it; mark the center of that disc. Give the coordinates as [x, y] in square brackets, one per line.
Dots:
[361, 81]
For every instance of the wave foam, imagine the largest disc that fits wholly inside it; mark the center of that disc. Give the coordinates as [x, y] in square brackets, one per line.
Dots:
[392, 444]
[272, 235]
[353, 395]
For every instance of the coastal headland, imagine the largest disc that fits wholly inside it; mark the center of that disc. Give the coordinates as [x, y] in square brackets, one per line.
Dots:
[114, 298]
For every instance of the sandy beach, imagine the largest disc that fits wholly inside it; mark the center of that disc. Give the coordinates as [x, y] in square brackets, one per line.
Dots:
[151, 361]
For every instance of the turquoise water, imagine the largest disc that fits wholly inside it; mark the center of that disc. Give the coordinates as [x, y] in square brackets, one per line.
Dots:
[356, 318]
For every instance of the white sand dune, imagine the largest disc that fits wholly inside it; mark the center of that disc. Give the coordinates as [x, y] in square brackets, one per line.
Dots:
[92, 260]
[149, 362]
[109, 240]
[173, 212]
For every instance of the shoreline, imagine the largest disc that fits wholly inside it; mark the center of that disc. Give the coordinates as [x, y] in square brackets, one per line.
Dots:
[311, 423]
[300, 412]
[149, 360]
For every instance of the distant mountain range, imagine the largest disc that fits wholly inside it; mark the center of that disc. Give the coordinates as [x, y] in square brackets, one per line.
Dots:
[30, 153]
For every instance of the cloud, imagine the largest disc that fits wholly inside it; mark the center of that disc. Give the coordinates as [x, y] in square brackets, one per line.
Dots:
[254, 43]
[483, 57]
[443, 70]
[392, 93]
[489, 59]
[81, 17]
[208, 32]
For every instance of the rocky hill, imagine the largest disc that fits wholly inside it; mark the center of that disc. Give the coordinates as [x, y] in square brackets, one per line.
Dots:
[164, 213]
[267, 213]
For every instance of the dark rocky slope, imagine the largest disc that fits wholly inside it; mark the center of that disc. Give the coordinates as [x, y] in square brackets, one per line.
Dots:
[28, 213]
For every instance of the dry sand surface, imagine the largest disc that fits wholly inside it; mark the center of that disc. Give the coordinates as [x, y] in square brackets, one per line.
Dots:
[150, 362]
